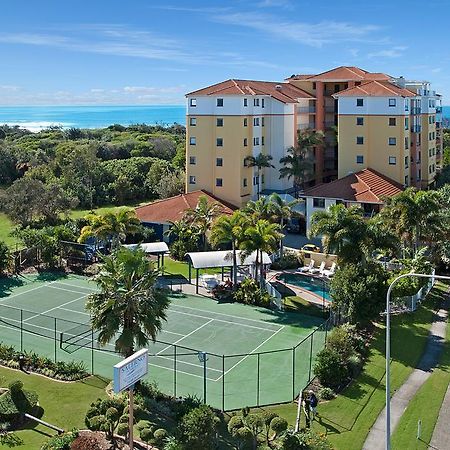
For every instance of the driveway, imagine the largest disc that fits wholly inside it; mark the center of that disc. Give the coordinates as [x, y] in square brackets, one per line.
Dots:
[295, 240]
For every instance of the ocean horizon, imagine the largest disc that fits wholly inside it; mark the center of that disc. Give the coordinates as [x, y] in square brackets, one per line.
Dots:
[36, 118]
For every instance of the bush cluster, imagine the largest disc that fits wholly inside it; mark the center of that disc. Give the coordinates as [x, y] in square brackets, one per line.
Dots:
[61, 442]
[289, 260]
[341, 358]
[247, 292]
[61, 370]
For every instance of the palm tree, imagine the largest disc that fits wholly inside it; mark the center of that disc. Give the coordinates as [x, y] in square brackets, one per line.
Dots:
[113, 225]
[414, 216]
[259, 209]
[128, 308]
[226, 230]
[260, 161]
[260, 237]
[202, 216]
[282, 211]
[346, 233]
[299, 162]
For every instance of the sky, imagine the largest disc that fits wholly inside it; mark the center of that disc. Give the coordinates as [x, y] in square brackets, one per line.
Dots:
[150, 52]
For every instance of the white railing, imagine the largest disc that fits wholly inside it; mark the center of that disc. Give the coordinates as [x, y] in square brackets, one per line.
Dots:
[411, 302]
[277, 299]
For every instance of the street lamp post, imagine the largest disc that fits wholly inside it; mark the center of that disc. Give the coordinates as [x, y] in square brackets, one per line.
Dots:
[388, 347]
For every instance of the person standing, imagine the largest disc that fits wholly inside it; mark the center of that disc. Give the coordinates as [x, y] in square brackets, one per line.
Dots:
[307, 410]
[313, 402]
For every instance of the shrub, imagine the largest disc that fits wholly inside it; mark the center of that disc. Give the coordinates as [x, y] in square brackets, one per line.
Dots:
[326, 393]
[250, 293]
[223, 292]
[198, 428]
[340, 341]
[61, 442]
[4, 256]
[15, 387]
[186, 405]
[354, 364]
[330, 368]
[122, 429]
[146, 435]
[278, 425]
[289, 260]
[160, 436]
[142, 424]
[15, 402]
[172, 444]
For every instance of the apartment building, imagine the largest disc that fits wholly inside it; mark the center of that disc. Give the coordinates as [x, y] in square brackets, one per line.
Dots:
[369, 120]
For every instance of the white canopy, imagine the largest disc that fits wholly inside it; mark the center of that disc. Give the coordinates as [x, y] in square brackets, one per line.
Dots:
[223, 258]
[150, 247]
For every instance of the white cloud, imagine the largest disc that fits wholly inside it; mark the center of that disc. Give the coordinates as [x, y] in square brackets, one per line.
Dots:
[393, 52]
[284, 4]
[312, 34]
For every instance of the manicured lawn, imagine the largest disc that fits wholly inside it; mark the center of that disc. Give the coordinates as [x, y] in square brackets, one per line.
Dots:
[6, 226]
[64, 404]
[302, 306]
[347, 419]
[173, 267]
[424, 406]
[79, 213]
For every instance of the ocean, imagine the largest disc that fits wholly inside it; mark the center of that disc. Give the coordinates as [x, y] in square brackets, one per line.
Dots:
[36, 118]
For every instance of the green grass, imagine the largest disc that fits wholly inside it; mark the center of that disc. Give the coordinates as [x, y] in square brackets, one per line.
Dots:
[64, 404]
[425, 406]
[173, 267]
[347, 419]
[300, 305]
[6, 226]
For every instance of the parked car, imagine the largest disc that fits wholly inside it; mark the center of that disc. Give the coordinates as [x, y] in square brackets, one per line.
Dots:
[311, 248]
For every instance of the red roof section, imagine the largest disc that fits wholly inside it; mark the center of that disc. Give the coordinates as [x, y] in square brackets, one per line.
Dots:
[173, 208]
[375, 89]
[284, 92]
[366, 186]
[344, 73]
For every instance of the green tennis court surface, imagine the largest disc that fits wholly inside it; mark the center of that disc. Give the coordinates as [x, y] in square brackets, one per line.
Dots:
[254, 356]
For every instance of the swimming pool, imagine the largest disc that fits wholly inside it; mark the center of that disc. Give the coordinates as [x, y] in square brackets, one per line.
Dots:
[315, 285]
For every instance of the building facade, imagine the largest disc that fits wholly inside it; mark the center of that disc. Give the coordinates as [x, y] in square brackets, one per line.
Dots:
[369, 120]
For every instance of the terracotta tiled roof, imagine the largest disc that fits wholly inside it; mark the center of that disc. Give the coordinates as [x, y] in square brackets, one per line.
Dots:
[284, 92]
[173, 208]
[367, 186]
[343, 73]
[375, 89]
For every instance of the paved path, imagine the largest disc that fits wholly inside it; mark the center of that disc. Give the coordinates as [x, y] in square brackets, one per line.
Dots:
[441, 434]
[400, 400]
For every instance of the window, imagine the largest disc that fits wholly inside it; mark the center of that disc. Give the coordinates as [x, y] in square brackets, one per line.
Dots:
[192, 179]
[193, 102]
[192, 140]
[359, 140]
[262, 103]
[392, 160]
[429, 169]
[219, 102]
[359, 102]
[262, 121]
[245, 142]
[262, 179]
[314, 85]
[359, 159]
[219, 142]
[256, 141]
[319, 202]
[406, 162]
[244, 182]
[192, 160]
[406, 105]
[392, 102]
[429, 136]
[245, 102]
[406, 123]
[360, 121]
[429, 119]
[406, 180]
[245, 122]
[406, 143]
[256, 121]
[336, 88]
[219, 182]
[219, 122]
[255, 181]
[219, 162]
[256, 102]
[192, 121]
[262, 140]
[392, 121]
[392, 141]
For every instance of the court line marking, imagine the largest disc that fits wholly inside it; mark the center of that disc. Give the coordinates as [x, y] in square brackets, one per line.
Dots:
[184, 337]
[221, 320]
[69, 290]
[25, 292]
[251, 353]
[52, 309]
[76, 286]
[223, 314]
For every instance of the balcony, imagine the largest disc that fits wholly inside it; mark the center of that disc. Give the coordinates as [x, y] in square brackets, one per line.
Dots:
[306, 126]
[330, 124]
[438, 109]
[306, 110]
[330, 109]
[416, 128]
[416, 110]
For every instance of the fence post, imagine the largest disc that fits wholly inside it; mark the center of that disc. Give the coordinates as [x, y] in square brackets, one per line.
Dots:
[55, 337]
[310, 356]
[21, 330]
[293, 372]
[175, 371]
[257, 381]
[223, 382]
[92, 351]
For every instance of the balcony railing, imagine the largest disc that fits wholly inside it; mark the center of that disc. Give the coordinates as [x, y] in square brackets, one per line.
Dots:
[330, 109]
[306, 109]
[438, 109]
[416, 128]
[416, 110]
[306, 126]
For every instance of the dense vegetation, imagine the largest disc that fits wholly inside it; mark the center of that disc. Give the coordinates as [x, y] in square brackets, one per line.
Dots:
[92, 167]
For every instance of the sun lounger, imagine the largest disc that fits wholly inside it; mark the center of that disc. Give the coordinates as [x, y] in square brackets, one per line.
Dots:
[307, 268]
[320, 269]
[329, 273]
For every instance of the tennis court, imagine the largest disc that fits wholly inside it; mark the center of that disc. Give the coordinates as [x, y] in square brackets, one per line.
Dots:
[253, 356]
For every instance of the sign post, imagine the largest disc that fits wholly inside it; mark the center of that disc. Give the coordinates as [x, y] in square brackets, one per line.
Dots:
[126, 374]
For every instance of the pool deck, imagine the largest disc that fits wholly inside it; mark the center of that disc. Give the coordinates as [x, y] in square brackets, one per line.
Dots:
[303, 293]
